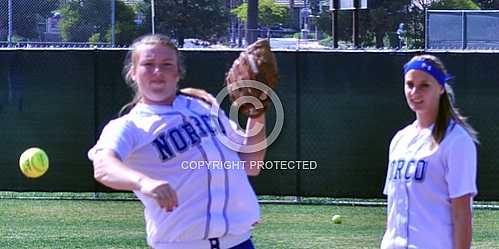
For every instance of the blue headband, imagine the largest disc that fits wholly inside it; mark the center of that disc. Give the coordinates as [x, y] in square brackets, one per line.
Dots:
[428, 67]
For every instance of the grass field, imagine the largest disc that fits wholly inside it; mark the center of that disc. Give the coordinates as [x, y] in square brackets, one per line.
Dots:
[119, 224]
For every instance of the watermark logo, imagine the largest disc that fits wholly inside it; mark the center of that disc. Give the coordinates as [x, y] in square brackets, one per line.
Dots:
[241, 165]
[257, 103]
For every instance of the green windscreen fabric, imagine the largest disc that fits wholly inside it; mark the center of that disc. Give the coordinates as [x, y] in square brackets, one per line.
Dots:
[340, 111]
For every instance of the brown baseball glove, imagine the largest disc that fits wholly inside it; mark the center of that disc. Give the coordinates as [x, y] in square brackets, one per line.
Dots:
[256, 63]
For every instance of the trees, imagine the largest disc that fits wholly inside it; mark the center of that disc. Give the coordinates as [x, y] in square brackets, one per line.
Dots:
[422, 4]
[269, 13]
[125, 30]
[90, 20]
[378, 23]
[488, 4]
[77, 23]
[25, 16]
[455, 4]
[385, 17]
[203, 19]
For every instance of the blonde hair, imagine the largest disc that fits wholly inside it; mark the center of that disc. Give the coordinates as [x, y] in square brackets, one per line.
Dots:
[132, 58]
[446, 108]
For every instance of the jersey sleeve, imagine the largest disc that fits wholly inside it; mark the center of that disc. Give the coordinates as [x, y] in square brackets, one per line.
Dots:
[119, 136]
[461, 163]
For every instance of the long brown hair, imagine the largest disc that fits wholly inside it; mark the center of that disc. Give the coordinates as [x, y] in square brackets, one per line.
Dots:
[447, 111]
[131, 62]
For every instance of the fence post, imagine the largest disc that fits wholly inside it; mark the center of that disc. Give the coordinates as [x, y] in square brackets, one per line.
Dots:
[425, 28]
[464, 43]
[113, 20]
[9, 36]
[298, 93]
[355, 24]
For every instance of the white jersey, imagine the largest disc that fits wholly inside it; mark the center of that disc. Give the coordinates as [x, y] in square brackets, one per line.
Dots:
[420, 183]
[172, 143]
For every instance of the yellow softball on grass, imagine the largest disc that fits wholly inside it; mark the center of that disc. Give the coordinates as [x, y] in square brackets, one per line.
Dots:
[337, 219]
[34, 162]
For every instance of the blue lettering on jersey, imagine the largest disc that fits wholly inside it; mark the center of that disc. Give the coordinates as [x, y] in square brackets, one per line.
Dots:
[181, 138]
[207, 122]
[198, 124]
[213, 125]
[189, 129]
[401, 166]
[391, 168]
[407, 169]
[420, 170]
[164, 149]
[178, 140]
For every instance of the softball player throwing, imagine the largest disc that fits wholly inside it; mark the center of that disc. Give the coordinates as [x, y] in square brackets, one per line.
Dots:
[153, 151]
[431, 175]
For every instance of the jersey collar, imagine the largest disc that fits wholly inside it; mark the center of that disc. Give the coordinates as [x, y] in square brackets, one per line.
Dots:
[159, 109]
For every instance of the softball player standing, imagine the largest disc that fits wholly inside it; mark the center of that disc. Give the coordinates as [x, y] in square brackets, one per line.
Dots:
[165, 151]
[431, 177]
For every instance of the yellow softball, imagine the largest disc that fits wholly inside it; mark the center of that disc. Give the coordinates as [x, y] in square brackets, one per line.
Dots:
[34, 162]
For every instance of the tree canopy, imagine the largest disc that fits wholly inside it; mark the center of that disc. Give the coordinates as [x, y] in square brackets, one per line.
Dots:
[269, 13]
[385, 16]
[202, 19]
[90, 20]
[455, 4]
[488, 4]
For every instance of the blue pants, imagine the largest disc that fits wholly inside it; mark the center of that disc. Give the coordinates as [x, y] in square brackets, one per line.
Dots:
[215, 244]
[245, 245]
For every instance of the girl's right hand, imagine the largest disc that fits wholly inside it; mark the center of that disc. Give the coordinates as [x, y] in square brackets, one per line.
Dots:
[161, 191]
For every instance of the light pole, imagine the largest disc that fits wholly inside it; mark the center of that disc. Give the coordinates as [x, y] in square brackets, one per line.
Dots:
[252, 24]
[233, 24]
[333, 7]
[152, 16]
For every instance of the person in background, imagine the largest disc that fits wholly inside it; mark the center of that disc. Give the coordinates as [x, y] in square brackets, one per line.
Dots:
[431, 177]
